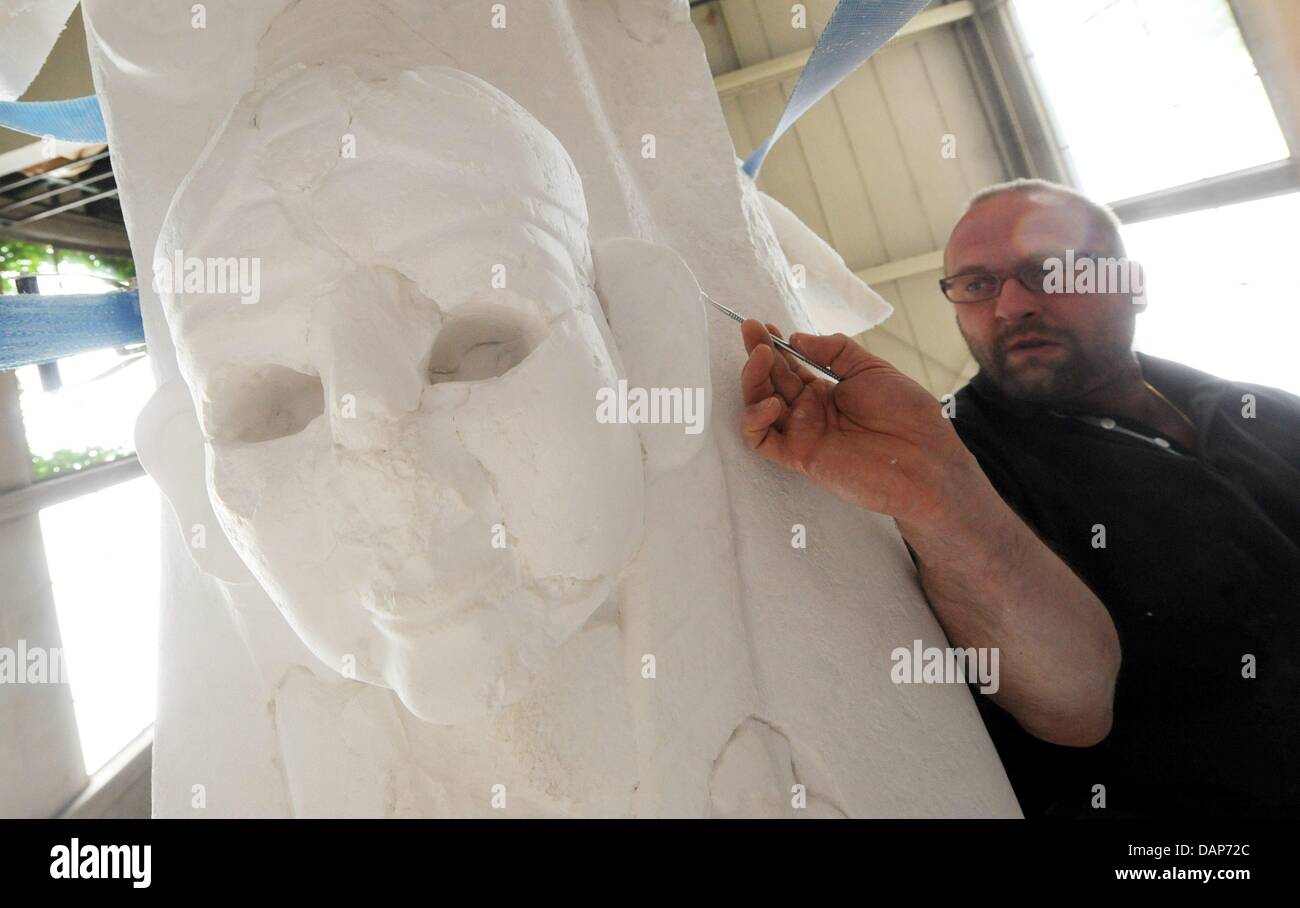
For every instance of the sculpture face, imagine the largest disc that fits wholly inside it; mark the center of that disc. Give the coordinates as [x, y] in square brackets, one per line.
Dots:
[401, 433]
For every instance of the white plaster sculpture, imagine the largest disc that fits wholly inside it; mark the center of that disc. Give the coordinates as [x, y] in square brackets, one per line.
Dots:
[383, 406]
[648, 642]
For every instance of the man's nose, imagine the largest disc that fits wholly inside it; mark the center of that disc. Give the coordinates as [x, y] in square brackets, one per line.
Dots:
[1015, 301]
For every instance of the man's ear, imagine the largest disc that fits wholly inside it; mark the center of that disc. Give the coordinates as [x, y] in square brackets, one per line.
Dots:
[170, 446]
[657, 317]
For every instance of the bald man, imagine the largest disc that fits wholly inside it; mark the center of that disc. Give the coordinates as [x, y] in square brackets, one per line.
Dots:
[1124, 530]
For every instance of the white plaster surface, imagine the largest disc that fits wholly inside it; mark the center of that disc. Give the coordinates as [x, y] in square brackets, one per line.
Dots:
[28, 30]
[771, 664]
[836, 299]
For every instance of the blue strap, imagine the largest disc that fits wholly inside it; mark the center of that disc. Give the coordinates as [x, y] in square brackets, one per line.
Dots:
[858, 28]
[39, 329]
[77, 120]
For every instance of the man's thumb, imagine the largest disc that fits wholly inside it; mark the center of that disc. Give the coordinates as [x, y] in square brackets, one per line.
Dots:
[838, 352]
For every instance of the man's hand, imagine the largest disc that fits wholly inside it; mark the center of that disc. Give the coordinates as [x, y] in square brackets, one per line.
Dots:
[877, 439]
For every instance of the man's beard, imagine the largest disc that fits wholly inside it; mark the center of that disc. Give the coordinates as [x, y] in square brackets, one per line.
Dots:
[1067, 376]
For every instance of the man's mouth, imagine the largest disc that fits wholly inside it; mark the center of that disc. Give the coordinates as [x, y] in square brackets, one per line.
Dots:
[1028, 345]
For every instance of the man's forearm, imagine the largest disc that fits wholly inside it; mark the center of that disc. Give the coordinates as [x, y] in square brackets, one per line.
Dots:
[993, 583]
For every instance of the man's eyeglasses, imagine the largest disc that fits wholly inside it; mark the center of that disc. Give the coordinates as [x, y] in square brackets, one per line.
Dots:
[978, 286]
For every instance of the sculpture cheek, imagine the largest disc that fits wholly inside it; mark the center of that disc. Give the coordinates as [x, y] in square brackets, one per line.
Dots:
[570, 487]
[171, 448]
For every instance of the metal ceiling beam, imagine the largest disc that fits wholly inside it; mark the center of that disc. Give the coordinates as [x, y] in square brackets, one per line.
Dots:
[72, 230]
[79, 203]
[32, 498]
[1260, 182]
[57, 190]
[1023, 128]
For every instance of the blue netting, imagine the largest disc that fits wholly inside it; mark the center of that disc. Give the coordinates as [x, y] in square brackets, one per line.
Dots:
[857, 29]
[77, 120]
[35, 328]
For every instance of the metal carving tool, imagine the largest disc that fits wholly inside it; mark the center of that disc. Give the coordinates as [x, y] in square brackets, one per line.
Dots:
[775, 340]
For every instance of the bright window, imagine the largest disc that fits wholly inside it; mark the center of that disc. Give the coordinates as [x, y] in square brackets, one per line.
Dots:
[1148, 95]
[102, 552]
[101, 548]
[1235, 312]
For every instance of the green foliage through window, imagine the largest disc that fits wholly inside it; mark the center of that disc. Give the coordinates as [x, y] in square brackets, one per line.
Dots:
[65, 461]
[18, 257]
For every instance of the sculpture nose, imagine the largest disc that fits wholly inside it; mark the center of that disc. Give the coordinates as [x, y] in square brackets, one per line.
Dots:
[372, 359]
[370, 392]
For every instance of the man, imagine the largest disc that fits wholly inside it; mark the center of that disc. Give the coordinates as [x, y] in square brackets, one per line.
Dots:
[1083, 501]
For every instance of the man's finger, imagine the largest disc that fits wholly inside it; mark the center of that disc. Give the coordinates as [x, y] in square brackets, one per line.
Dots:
[801, 371]
[756, 376]
[758, 428]
[787, 382]
[754, 334]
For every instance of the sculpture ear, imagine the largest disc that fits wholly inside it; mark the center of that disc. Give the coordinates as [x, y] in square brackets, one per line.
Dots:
[170, 446]
[657, 317]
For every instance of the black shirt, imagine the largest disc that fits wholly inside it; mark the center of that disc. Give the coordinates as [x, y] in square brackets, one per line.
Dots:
[1199, 566]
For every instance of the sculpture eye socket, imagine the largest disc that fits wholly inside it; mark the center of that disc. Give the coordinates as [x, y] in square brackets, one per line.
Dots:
[481, 342]
[262, 403]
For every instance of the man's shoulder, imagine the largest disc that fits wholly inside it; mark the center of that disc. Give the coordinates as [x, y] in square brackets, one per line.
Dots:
[1207, 396]
[1191, 379]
